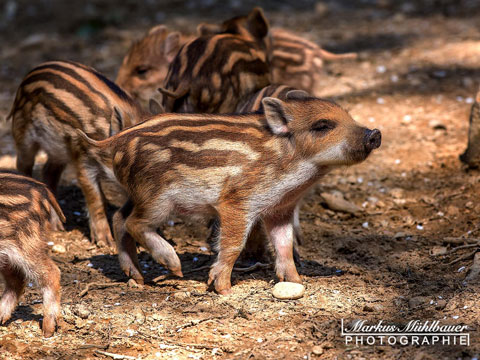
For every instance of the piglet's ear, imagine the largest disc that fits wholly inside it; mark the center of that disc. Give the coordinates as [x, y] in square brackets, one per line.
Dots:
[208, 29]
[172, 45]
[158, 29]
[298, 95]
[257, 23]
[276, 116]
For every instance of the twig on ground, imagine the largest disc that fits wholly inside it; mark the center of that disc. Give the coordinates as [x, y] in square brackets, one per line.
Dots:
[98, 285]
[464, 257]
[115, 356]
[467, 246]
[460, 240]
[255, 266]
[195, 322]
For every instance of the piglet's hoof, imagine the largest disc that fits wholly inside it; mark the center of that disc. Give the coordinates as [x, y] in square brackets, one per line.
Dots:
[290, 276]
[132, 283]
[177, 272]
[220, 281]
[48, 326]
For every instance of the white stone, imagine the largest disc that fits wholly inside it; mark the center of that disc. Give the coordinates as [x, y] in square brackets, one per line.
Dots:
[59, 249]
[288, 291]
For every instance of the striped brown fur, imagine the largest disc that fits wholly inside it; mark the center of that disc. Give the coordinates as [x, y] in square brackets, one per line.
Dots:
[242, 168]
[255, 245]
[145, 66]
[211, 73]
[52, 101]
[296, 61]
[28, 211]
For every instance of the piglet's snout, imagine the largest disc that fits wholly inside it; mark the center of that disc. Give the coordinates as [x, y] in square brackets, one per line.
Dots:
[373, 139]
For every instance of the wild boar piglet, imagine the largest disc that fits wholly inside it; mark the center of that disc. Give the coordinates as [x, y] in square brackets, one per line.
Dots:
[241, 168]
[27, 211]
[53, 100]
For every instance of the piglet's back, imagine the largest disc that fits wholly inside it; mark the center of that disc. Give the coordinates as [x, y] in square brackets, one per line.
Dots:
[75, 95]
[24, 204]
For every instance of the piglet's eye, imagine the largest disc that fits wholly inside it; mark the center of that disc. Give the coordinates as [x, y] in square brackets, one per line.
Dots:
[323, 126]
[141, 70]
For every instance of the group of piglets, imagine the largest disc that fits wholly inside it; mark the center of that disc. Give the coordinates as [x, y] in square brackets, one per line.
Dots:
[239, 144]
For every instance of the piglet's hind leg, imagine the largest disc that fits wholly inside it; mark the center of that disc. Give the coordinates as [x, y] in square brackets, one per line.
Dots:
[126, 247]
[50, 284]
[143, 229]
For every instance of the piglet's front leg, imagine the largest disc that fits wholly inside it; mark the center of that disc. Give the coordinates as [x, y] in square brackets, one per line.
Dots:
[280, 230]
[99, 228]
[234, 231]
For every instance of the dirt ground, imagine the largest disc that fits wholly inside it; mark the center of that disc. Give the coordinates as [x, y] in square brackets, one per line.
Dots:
[415, 80]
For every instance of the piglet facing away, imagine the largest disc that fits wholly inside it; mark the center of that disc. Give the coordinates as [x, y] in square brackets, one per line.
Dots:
[53, 100]
[27, 211]
[241, 168]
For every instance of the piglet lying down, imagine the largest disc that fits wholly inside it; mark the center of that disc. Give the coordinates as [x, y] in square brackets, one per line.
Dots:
[241, 168]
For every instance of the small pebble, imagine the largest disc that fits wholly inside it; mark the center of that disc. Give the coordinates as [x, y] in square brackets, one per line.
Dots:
[461, 269]
[455, 317]
[380, 101]
[419, 227]
[50, 243]
[77, 213]
[171, 223]
[317, 350]
[59, 249]
[469, 100]
[371, 119]
[288, 291]
[81, 311]
[397, 161]
[203, 248]
[407, 118]
[381, 69]
[90, 265]
[394, 78]
[365, 225]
